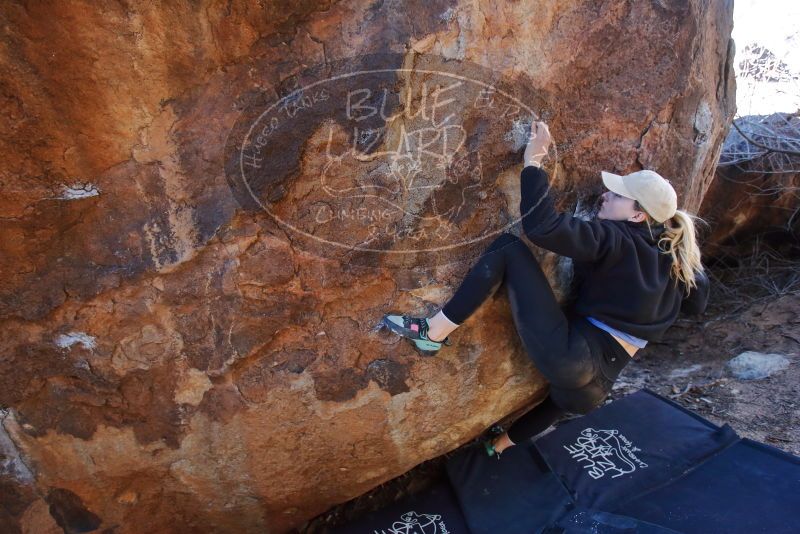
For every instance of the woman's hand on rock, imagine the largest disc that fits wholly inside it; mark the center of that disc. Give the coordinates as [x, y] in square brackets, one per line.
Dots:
[538, 143]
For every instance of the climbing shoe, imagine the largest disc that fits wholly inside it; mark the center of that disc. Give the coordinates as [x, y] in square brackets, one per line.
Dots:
[416, 330]
[490, 450]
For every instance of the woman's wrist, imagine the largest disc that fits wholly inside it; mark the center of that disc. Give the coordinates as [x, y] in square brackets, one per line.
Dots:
[538, 143]
[536, 162]
[533, 158]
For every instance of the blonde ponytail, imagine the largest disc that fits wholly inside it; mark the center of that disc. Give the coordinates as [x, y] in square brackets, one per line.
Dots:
[680, 241]
[680, 237]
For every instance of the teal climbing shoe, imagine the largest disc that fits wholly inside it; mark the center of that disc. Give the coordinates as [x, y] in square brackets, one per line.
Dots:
[416, 330]
[490, 450]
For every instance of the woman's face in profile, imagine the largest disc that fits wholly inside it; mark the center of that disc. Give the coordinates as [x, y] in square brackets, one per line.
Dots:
[616, 207]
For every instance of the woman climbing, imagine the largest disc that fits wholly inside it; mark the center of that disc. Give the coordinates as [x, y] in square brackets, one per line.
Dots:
[636, 265]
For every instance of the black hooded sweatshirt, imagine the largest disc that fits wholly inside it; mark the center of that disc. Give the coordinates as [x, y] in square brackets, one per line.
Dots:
[621, 276]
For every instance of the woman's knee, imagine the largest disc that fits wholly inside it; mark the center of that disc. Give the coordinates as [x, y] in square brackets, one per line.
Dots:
[574, 368]
[568, 374]
[503, 240]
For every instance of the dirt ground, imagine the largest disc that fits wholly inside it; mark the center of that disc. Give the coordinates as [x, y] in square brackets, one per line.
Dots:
[688, 366]
[753, 306]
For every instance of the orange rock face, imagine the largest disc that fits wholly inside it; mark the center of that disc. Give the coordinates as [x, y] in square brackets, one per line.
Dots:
[175, 355]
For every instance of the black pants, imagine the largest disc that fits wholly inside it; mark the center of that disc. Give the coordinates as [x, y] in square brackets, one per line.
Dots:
[579, 360]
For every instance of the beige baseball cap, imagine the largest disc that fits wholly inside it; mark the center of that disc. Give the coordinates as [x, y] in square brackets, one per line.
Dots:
[654, 192]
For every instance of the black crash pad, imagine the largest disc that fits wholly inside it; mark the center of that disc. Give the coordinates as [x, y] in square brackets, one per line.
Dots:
[747, 487]
[432, 511]
[629, 446]
[640, 464]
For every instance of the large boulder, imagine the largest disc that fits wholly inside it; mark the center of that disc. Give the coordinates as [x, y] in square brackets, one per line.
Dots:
[752, 205]
[174, 357]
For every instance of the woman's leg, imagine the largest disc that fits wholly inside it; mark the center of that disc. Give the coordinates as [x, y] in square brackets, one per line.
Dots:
[558, 403]
[535, 421]
[439, 326]
[561, 356]
[480, 282]
[559, 351]
[609, 360]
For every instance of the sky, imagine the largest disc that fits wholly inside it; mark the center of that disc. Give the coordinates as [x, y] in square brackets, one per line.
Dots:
[774, 24]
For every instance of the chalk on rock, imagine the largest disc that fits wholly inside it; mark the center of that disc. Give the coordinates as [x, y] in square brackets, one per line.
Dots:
[519, 133]
[79, 190]
[66, 341]
[751, 365]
